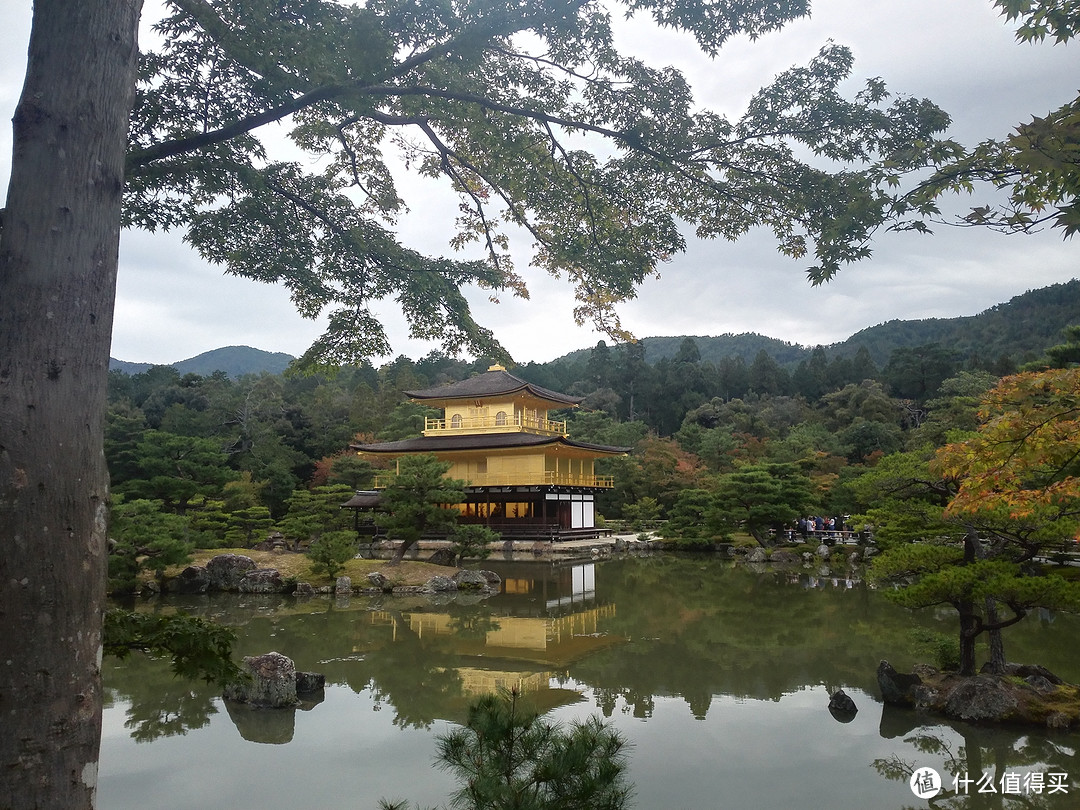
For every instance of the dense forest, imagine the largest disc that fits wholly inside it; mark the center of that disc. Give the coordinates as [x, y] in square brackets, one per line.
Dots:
[214, 461]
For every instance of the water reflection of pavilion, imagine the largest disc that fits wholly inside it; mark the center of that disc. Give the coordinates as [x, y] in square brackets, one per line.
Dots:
[559, 588]
[546, 618]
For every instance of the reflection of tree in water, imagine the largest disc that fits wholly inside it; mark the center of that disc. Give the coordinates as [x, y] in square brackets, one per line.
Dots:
[418, 676]
[473, 622]
[159, 703]
[374, 650]
[698, 629]
[985, 756]
[641, 705]
[176, 715]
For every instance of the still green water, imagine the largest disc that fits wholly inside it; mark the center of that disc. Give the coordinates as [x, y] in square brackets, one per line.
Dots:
[719, 677]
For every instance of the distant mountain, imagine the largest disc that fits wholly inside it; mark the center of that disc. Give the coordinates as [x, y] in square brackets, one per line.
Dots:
[746, 345]
[712, 349]
[235, 361]
[1020, 328]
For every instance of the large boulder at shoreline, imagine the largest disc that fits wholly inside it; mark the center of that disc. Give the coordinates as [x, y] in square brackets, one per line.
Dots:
[1033, 700]
[444, 556]
[981, 698]
[439, 584]
[470, 580]
[487, 582]
[193, 579]
[226, 570]
[757, 555]
[262, 580]
[378, 580]
[272, 684]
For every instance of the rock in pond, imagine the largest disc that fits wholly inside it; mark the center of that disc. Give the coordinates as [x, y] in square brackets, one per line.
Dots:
[272, 684]
[896, 686]
[308, 682]
[757, 555]
[378, 580]
[842, 707]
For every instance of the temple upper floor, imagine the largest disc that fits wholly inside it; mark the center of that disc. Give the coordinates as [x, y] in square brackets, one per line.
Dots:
[494, 417]
[493, 402]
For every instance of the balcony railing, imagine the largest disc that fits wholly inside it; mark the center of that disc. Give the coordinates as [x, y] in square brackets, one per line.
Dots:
[510, 422]
[524, 480]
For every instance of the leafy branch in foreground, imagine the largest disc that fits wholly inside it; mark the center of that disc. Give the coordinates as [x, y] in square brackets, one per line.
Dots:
[530, 116]
[1037, 166]
[197, 648]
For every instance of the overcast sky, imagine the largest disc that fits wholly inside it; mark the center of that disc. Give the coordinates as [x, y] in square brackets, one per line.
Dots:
[171, 305]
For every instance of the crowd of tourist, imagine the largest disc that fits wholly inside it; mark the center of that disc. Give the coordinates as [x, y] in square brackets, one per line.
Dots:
[820, 528]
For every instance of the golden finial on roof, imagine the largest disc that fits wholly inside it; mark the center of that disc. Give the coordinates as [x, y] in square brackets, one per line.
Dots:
[496, 367]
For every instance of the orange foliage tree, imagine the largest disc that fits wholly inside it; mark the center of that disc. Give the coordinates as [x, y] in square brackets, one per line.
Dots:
[1024, 460]
[1015, 485]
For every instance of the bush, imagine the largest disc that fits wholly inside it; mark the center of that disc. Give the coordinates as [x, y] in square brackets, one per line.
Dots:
[643, 513]
[470, 540]
[508, 757]
[329, 553]
[945, 648]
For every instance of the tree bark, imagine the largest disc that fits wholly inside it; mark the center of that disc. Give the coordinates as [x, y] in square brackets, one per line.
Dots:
[969, 631]
[997, 644]
[996, 664]
[970, 623]
[58, 259]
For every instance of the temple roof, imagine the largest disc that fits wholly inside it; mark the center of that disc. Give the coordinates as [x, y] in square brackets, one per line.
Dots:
[364, 499]
[481, 441]
[493, 382]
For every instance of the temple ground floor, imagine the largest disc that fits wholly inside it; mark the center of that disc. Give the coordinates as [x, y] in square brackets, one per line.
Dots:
[533, 512]
[544, 512]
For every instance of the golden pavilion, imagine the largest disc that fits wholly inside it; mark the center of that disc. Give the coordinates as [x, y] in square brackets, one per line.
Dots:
[526, 477]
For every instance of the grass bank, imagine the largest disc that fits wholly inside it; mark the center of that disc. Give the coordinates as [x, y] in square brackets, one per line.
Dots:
[297, 566]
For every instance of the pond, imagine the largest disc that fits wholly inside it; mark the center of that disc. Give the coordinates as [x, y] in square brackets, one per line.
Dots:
[719, 676]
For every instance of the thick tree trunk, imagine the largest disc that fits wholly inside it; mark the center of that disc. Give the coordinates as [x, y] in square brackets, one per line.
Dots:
[969, 631]
[399, 552]
[58, 256]
[997, 643]
[970, 621]
[996, 664]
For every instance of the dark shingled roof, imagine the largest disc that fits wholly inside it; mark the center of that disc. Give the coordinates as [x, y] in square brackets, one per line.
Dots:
[479, 441]
[364, 499]
[491, 383]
